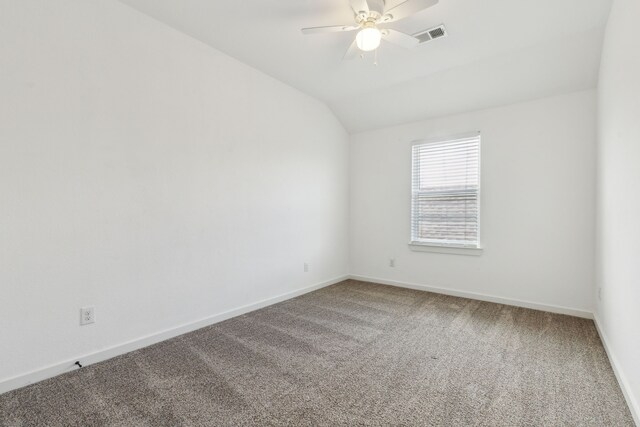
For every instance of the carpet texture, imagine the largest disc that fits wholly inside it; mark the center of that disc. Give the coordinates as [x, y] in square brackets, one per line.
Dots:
[350, 354]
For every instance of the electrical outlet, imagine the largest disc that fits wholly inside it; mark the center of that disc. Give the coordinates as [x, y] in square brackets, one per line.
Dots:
[600, 293]
[87, 315]
[392, 262]
[306, 267]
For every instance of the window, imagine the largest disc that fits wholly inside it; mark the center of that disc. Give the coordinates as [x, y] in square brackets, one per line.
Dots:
[445, 196]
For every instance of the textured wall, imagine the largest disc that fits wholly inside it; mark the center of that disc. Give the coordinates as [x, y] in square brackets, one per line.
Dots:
[151, 176]
[537, 204]
[618, 277]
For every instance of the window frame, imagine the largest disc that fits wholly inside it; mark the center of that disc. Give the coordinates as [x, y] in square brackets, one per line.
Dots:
[447, 248]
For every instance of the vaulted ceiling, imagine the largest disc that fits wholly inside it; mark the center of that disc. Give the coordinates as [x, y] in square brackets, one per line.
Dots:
[497, 52]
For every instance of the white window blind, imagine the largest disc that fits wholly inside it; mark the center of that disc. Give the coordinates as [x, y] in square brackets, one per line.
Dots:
[445, 208]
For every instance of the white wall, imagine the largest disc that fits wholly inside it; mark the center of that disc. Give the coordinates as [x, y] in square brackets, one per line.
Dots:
[151, 176]
[537, 207]
[618, 256]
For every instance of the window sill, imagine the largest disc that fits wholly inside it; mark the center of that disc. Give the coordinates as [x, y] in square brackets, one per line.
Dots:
[453, 250]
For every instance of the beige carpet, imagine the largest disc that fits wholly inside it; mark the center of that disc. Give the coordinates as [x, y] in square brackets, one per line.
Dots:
[350, 354]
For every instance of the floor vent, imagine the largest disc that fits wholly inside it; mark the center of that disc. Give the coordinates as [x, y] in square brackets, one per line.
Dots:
[431, 34]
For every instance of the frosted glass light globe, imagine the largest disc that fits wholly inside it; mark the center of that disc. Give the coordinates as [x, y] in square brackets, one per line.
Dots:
[368, 39]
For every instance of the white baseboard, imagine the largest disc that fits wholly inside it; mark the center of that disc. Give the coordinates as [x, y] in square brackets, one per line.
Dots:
[117, 350]
[632, 402]
[481, 297]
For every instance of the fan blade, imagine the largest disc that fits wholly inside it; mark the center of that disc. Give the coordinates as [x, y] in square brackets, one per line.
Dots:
[400, 39]
[406, 9]
[329, 29]
[359, 6]
[352, 52]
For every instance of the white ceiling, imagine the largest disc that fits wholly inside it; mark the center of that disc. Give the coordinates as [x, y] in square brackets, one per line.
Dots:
[497, 52]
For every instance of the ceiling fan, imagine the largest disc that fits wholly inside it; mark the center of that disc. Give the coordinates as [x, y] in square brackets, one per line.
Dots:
[369, 16]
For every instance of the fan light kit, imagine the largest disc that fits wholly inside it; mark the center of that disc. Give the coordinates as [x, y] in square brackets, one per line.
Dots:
[371, 17]
[368, 39]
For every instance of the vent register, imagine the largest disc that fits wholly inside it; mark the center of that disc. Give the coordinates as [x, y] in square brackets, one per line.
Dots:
[431, 34]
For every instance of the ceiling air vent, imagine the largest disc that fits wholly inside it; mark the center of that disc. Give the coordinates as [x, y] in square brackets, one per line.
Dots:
[431, 34]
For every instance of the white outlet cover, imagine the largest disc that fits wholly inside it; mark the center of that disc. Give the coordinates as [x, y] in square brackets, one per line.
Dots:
[87, 315]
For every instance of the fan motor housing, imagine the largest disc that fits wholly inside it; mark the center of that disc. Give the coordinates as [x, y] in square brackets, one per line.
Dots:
[376, 9]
